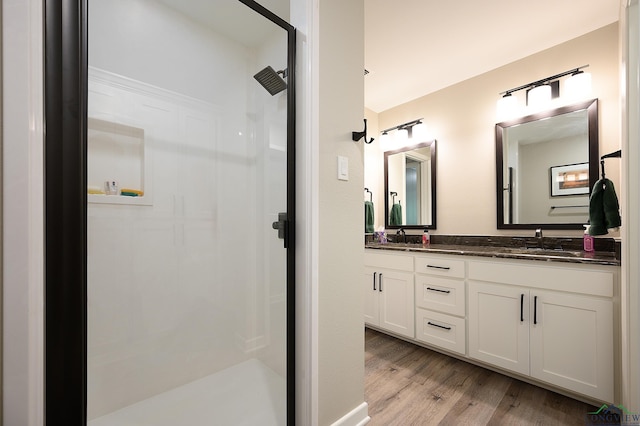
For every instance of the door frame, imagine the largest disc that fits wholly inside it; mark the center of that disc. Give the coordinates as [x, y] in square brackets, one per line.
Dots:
[65, 200]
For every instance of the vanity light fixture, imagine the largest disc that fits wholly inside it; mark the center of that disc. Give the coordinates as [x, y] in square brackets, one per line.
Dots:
[540, 92]
[409, 130]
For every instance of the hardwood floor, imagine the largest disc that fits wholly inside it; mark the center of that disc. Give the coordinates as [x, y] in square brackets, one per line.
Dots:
[406, 385]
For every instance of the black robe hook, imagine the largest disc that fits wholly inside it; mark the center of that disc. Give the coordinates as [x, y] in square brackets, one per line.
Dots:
[356, 136]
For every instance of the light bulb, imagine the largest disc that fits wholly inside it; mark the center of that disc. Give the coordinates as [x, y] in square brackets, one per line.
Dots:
[506, 107]
[419, 132]
[578, 86]
[539, 97]
[402, 135]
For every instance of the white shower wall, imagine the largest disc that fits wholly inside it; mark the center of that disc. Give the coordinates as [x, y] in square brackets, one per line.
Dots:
[192, 281]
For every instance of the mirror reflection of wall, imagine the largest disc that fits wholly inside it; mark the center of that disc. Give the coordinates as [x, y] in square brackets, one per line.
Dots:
[410, 186]
[549, 164]
[413, 191]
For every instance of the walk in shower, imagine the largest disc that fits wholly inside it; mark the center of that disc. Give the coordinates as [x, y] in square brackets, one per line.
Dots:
[187, 159]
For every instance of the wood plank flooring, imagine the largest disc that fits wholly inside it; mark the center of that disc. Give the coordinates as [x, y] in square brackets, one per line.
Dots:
[407, 385]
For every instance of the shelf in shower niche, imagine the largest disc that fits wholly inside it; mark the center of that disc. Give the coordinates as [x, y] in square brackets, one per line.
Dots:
[118, 152]
[118, 199]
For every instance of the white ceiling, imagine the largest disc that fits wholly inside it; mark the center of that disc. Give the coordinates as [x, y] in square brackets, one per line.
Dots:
[416, 47]
[232, 18]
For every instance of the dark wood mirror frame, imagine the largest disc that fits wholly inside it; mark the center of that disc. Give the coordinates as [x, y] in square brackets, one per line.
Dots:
[591, 107]
[432, 146]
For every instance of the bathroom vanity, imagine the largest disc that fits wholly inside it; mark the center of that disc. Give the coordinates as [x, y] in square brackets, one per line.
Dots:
[549, 317]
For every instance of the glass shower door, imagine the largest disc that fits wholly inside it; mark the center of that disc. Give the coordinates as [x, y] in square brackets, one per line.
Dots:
[188, 142]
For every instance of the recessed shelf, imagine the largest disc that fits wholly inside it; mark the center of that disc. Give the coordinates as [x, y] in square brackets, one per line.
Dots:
[118, 152]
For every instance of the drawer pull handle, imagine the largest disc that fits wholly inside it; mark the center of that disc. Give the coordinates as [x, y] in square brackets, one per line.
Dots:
[380, 282]
[535, 309]
[521, 307]
[374, 281]
[438, 325]
[438, 290]
[446, 268]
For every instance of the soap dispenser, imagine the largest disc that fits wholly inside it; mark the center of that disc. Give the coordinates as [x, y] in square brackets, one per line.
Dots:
[588, 241]
[426, 240]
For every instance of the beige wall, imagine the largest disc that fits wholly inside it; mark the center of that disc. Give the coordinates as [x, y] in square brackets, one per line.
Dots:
[339, 235]
[461, 118]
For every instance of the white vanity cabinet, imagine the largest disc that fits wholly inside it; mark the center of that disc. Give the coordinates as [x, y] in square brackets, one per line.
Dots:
[388, 287]
[553, 323]
[440, 297]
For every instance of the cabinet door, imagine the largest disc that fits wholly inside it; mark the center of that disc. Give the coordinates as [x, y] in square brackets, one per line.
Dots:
[371, 299]
[499, 325]
[572, 342]
[396, 308]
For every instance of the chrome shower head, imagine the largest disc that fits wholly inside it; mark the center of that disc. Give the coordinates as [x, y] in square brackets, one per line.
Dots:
[271, 80]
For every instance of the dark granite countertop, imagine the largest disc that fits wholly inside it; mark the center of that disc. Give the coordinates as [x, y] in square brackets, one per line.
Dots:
[555, 249]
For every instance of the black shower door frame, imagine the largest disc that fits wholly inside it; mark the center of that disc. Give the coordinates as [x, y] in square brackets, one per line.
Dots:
[65, 257]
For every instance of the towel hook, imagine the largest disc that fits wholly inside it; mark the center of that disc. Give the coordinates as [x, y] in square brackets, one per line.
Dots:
[370, 194]
[356, 136]
[393, 197]
[616, 154]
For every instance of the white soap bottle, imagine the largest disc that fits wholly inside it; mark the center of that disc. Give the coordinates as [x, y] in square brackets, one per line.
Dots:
[588, 242]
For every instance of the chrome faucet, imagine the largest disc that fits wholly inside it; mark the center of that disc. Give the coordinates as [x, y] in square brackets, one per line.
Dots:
[403, 233]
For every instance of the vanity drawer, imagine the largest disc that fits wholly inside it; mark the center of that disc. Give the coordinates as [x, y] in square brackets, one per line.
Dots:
[441, 266]
[582, 279]
[445, 331]
[440, 294]
[400, 262]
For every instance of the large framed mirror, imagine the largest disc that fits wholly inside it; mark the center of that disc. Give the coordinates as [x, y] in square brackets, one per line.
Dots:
[546, 165]
[410, 186]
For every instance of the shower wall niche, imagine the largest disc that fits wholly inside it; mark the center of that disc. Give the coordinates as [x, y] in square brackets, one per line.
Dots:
[116, 153]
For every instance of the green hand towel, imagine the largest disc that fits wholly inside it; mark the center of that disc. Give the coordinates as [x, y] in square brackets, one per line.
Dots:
[603, 208]
[611, 206]
[395, 216]
[368, 217]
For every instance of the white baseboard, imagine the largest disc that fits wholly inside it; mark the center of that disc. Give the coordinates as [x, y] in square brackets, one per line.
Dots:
[359, 416]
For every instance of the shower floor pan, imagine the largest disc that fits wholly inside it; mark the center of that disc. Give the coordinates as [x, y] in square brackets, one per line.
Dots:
[247, 394]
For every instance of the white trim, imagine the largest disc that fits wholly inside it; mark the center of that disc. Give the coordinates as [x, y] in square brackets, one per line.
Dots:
[304, 16]
[359, 416]
[23, 213]
[313, 124]
[100, 76]
[630, 294]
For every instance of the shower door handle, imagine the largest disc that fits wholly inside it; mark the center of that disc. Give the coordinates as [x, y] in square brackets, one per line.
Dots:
[282, 225]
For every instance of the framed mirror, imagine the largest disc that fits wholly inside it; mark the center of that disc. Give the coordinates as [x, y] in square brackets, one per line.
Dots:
[546, 165]
[410, 186]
